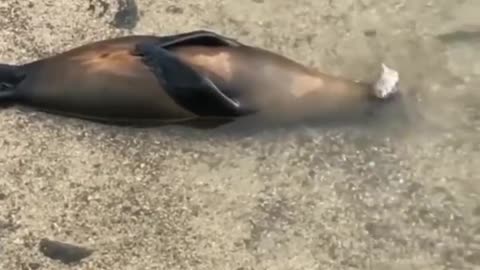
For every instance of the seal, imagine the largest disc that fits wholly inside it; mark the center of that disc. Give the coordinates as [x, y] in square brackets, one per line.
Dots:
[198, 75]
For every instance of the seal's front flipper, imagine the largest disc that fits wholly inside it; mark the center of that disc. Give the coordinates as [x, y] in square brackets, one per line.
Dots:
[199, 37]
[189, 88]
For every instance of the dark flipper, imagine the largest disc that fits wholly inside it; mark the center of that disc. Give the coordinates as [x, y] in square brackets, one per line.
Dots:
[190, 89]
[200, 37]
[7, 94]
[10, 76]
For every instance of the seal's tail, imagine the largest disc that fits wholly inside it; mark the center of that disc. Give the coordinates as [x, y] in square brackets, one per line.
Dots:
[10, 77]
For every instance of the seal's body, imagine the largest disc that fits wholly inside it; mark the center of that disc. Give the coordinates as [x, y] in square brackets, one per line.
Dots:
[178, 78]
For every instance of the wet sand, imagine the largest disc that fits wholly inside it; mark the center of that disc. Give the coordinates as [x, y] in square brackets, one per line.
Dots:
[387, 195]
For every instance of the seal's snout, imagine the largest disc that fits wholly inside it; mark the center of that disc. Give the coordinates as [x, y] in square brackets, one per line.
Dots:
[387, 84]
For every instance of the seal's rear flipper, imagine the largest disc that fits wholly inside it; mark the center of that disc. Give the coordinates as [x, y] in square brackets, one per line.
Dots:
[7, 95]
[189, 88]
[10, 74]
[10, 77]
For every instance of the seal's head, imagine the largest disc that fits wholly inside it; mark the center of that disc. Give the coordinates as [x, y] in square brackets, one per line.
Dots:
[387, 85]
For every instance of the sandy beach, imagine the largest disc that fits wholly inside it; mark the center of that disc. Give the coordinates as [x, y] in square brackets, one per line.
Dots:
[378, 197]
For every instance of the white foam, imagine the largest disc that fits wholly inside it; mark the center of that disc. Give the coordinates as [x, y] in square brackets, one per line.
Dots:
[387, 84]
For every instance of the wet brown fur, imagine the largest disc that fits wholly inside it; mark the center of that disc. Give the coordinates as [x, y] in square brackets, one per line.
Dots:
[107, 67]
[278, 85]
[104, 80]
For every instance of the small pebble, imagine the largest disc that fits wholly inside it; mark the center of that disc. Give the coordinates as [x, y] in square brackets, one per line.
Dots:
[66, 253]
[174, 9]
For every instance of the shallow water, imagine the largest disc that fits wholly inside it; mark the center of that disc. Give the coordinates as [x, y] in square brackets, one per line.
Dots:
[388, 195]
